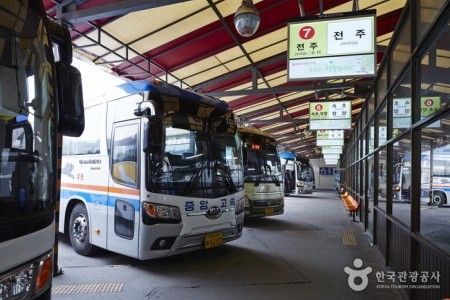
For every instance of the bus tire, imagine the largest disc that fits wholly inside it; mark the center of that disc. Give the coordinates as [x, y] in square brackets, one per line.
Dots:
[79, 231]
[438, 198]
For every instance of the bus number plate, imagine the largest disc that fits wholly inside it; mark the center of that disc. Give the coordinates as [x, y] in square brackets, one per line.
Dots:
[268, 211]
[213, 240]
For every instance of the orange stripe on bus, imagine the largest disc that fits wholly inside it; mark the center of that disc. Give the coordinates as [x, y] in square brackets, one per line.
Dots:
[100, 188]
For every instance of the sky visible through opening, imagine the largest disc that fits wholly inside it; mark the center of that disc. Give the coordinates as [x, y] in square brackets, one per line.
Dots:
[95, 80]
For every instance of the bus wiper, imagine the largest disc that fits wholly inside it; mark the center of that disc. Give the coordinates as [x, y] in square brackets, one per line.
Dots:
[226, 175]
[258, 179]
[198, 173]
[275, 179]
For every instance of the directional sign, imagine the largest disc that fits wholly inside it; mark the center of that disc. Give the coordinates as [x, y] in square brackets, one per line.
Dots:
[331, 150]
[337, 46]
[401, 110]
[330, 134]
[330, 115]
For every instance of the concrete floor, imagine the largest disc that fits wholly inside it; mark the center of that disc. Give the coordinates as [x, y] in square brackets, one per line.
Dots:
[298, 255]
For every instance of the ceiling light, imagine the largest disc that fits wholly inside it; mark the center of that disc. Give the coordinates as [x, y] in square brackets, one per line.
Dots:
[247, 19]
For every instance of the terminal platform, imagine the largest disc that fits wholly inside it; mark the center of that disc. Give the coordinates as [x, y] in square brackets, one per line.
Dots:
[309, 252]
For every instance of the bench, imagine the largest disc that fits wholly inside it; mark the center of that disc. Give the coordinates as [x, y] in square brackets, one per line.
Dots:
[351, 205]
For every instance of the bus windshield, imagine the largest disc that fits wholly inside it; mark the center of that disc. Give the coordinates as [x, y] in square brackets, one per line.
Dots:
[306, 173]
[197, 163]
[262, 166]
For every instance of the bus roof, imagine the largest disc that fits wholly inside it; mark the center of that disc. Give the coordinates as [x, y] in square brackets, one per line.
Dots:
[158, 88]
[287, 155]
[254, 131]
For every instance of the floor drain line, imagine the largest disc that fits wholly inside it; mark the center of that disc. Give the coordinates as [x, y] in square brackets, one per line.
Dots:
[87, 288]
[348, 238]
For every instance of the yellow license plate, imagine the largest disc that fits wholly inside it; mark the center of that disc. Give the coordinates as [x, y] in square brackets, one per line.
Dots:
[268, 211]
[213, 240]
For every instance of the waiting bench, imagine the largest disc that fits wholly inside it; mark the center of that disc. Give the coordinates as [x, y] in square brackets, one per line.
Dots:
[351, 205]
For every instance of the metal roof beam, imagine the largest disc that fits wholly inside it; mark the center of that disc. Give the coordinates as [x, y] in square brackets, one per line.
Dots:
[278, 120]
[238, 72]
[284, 89]
[112, 9]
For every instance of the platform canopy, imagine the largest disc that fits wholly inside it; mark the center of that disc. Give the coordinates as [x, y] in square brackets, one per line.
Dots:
[194, 44]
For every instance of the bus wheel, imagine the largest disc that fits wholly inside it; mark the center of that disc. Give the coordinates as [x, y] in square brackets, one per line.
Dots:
[438, 198]
[79, 230]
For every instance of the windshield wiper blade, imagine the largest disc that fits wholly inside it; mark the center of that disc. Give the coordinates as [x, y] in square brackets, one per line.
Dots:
[275, 179]
[194, 179]
[226, 175]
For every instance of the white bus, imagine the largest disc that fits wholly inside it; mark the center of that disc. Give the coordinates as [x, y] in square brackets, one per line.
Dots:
[32, 88]
[439, 181]
[264, 194]
[157, 172]
[299, 174]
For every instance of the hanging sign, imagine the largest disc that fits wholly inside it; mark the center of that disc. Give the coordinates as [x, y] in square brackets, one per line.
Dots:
[335, 46]
[330, 115]
[331, 150]
[330, 138]
[401, 110]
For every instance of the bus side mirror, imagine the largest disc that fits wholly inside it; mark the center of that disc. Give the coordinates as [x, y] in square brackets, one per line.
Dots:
[70, 100]
[153, 136]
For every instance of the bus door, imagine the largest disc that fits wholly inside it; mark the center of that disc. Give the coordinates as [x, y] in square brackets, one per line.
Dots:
[123, 192]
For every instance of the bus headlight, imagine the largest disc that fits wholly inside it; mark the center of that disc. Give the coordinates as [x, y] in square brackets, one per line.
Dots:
[240, 206]
[18, 283]
[396, 188]
[158, 213]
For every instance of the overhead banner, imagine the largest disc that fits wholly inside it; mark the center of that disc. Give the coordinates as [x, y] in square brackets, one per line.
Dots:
[333, 46]
[330, 115]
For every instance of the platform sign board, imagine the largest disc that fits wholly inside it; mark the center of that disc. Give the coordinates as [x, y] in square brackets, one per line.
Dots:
[401, 110]
[330, 115]
[326, 171]
[332, 46]
[382, 136]
[331, 149]
[330, 138]
[331, 156]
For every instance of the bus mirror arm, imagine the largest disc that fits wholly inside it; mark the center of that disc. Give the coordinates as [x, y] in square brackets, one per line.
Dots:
[153, 135]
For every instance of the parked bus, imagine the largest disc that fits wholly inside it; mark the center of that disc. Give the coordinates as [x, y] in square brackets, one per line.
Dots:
[298, 173]
[439, 181]
[158, 172]
[35, 106]
[263, 181]
[435, 177]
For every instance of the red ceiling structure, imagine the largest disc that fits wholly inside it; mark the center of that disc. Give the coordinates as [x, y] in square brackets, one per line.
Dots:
[194, 44]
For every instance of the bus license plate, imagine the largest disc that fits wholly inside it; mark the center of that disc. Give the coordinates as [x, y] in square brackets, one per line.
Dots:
[213, 240]
[268, 211]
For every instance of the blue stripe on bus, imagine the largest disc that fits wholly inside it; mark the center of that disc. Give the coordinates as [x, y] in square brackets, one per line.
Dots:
[100, 199]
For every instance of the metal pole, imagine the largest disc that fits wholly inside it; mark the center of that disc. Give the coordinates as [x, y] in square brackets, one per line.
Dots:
[302, 9]
[56, 270]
